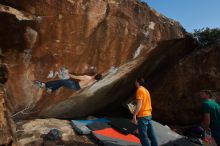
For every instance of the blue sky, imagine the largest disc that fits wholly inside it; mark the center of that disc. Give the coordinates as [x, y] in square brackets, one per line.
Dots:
[192, 14]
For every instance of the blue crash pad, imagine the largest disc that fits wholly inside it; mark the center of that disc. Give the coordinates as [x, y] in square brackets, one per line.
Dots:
[80, 125]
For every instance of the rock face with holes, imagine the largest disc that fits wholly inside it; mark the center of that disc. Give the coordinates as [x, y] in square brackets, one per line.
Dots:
[119, 38]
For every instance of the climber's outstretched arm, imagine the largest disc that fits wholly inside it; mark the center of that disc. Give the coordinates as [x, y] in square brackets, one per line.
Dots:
[77, 77]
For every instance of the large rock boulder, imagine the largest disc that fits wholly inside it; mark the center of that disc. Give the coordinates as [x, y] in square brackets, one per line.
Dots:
[7, 126]
[175, 95]
[118, 85]
[115, 37]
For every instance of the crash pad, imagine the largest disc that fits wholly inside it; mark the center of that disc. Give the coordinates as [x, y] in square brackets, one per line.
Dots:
[167, 137]
[98, 126]
[112, 136]
[123, 125]
[81, 125]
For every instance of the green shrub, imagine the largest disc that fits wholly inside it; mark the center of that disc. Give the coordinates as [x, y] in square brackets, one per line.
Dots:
[207, 36]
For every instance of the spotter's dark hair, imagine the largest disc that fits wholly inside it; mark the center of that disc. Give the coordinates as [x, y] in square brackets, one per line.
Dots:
[207, 92]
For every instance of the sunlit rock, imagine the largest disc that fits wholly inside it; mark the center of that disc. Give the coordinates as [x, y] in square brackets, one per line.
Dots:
[112, 37]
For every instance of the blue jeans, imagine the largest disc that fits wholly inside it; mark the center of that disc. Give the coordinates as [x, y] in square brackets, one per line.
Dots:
[216, 133]
[54, 85]
[145, 129]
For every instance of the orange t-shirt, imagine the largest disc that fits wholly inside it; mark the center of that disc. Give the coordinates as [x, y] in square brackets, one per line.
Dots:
[144, 95]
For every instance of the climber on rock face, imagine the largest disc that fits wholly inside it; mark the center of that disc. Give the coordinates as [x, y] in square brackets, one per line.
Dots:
[73, 82]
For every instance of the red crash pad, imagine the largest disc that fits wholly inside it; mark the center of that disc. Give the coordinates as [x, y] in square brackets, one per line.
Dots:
[111, 133]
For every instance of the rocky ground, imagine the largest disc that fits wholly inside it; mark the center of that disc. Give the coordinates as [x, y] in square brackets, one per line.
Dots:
[31, 133]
